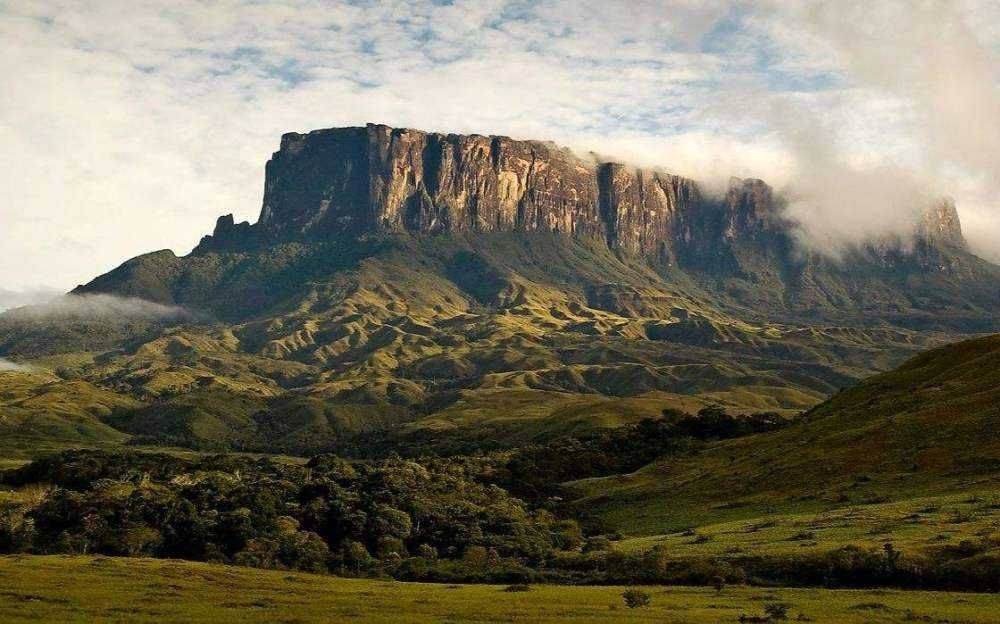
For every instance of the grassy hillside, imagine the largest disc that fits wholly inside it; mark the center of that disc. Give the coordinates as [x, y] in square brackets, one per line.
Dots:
[40, 412]
[926, 428]
[87, 589]
[504, 338]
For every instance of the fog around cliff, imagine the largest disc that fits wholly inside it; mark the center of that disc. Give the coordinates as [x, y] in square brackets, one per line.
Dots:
[98, 306]
[134, 125]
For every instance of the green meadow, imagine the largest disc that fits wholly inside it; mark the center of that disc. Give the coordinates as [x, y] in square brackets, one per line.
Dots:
[99, 589]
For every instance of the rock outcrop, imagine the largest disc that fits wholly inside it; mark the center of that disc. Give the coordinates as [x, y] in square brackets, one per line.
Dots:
[940, 225]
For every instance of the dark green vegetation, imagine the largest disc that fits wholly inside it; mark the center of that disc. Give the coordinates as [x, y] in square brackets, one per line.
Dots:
[436, 520]
[843, 496]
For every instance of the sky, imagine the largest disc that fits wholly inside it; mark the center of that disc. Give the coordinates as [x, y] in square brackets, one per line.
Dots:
[129, 126]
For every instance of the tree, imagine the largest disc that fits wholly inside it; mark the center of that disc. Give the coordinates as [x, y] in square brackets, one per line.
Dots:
[567, 535]
[388, 545]
[141, 539]
[357, 555]
[475, 558]
[635, 598]
[17, 533]
[427, 552]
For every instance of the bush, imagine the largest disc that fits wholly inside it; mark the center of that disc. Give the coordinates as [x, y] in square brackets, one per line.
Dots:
[517, 587]
[776, 610]
[635, 598]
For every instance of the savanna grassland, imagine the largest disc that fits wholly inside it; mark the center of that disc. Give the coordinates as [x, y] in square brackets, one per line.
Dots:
[101, 589]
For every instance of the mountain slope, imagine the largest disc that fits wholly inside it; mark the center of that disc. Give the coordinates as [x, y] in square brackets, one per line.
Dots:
[929, 426]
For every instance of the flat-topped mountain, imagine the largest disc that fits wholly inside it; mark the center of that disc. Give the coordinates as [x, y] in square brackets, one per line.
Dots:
[343, 184]
[457, 290]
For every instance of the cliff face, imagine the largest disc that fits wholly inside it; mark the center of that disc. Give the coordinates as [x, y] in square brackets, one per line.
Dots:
[376, 179]
[326, 189]
[379, 179]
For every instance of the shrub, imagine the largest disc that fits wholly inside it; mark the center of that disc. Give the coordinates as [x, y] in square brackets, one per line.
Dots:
[635, 598]
[776, 610]
[517, 587]
[719, 583]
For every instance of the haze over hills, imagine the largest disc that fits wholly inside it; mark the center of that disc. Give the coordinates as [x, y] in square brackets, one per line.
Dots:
[470, 290]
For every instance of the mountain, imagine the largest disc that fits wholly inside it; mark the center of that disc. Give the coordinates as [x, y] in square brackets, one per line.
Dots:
[471, 291]
[345, 183]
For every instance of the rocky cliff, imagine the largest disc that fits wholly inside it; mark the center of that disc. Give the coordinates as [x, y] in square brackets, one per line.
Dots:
[379, 179]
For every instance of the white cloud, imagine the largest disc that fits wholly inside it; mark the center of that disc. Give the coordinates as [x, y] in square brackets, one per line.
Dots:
[132, 125]
[97, 306]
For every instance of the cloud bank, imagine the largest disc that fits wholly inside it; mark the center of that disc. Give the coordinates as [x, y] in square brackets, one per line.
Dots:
[135, 124]
[98, 307]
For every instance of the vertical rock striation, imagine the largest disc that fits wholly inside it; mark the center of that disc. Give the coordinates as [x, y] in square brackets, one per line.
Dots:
[377, 179]
[380, 179]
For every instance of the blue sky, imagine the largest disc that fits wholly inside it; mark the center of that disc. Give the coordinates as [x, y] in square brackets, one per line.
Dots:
[131, 125]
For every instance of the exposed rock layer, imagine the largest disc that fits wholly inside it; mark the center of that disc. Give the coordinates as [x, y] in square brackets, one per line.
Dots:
[379, 179]
[352, 181]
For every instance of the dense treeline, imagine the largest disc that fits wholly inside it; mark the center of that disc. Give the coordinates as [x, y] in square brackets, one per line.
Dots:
[329, 514]
[432, 520]
[535, 472]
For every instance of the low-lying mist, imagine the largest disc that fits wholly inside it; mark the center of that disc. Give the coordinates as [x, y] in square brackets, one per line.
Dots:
[99, 307]
[8, 366]
[17, 298]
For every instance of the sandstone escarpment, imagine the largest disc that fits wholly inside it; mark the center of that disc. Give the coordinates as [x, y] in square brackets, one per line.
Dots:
[350, 181]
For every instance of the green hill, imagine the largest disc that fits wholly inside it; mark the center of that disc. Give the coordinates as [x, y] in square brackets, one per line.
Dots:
[927, 428]
[499, 338]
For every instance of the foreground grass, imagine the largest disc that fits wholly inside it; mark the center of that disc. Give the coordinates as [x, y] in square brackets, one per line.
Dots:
[89, 589]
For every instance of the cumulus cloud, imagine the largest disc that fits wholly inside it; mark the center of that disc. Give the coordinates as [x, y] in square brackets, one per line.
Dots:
[98, 307]
[134, 124]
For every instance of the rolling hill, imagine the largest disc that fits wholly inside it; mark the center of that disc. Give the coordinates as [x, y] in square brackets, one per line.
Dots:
[925, 429]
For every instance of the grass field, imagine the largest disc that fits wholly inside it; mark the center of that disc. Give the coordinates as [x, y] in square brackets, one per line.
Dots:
[924, 429]
[912, 526]
[88, 589]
